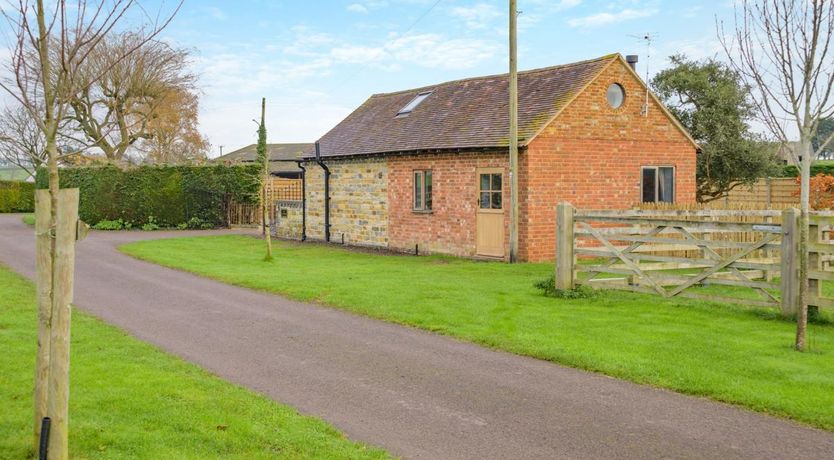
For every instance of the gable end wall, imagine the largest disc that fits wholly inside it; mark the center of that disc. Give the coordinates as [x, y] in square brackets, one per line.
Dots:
[591, 156]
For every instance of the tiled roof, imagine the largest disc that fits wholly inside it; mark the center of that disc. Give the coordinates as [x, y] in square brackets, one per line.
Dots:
[276, 152]
[461, 114]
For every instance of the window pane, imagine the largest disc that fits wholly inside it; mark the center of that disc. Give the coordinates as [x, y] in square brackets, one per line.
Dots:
[418, 189]
[615, 95]
[496, 200]
[666, 183]
[414, 103]
[427, 193]
[484, 202]
[649, 189]
[484, 182]
[496, 182]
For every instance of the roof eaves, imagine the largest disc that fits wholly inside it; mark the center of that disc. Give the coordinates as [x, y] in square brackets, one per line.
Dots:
[478, 149]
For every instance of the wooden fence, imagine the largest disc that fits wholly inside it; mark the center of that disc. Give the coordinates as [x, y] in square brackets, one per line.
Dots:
[276, 189]
[629, 250]
[770, 192]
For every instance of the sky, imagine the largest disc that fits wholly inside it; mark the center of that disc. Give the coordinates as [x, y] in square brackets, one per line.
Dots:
[317, 60]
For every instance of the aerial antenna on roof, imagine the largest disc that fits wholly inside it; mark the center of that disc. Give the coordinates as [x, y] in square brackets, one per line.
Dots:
[648, 38]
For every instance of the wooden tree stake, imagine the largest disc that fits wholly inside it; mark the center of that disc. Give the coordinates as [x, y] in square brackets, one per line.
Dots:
[66, 228]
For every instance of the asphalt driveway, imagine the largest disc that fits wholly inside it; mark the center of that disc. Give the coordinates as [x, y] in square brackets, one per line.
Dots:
[417, 394]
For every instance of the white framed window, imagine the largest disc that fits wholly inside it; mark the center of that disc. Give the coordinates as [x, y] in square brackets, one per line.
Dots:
[657, 184]
[422, 190]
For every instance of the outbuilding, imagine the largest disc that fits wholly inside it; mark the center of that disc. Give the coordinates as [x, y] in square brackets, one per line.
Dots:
[426, 169]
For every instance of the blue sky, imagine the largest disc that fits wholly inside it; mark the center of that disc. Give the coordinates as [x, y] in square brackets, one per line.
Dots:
[315, 61]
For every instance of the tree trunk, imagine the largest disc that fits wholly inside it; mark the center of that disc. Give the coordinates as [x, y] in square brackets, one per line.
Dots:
[804, 196]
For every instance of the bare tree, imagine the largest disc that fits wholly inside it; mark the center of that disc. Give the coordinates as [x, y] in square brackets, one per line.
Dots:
[783, 49]
[118, 110]
[22, 143]
[50, 48]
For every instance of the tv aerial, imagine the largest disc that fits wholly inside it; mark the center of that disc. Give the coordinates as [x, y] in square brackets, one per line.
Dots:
[648, 38]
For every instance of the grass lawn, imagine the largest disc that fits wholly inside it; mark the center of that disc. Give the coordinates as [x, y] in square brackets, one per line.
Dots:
[733, 354]
[131, 400]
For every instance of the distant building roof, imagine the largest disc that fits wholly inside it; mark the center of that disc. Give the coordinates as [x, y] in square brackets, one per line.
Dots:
[276, 153]
[461, 114]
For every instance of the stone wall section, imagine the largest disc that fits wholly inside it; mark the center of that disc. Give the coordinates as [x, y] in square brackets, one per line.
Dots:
[358, 201]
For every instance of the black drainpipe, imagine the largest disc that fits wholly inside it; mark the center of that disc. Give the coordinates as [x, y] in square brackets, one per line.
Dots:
[303, 200]
[326, 193]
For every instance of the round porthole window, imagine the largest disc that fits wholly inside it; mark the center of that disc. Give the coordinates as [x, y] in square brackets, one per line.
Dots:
[615, 95]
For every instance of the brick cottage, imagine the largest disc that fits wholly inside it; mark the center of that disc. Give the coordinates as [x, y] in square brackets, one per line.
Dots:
[427, 169]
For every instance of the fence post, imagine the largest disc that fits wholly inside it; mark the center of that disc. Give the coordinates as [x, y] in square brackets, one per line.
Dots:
[814, 264]
[564, 246]
[790, 259]
[769, 183]
[768, 253]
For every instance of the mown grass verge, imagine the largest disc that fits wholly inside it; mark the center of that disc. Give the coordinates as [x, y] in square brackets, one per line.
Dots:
[131, 400]
[728, 353]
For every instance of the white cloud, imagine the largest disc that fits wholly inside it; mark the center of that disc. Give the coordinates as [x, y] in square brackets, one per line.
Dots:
[216, 13]
[304, 118]
[606, 18]
[357, 54]
[697, 49]
[357, 8]
[477, 16]
[692, 11]
[429, 50]
[436, 51]
[552, 6]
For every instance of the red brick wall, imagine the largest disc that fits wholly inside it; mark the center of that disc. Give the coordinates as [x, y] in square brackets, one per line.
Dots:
[450, 227]
[591, 156]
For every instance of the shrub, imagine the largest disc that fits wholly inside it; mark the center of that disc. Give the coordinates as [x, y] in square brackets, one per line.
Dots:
[150, 225]
[548, 287]
[821, 190]
[817, 168]
[195, 223]
[117, 224]
[16, 196]
[171, 194]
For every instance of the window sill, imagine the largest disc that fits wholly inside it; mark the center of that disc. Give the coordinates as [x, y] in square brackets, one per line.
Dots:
[422, 211]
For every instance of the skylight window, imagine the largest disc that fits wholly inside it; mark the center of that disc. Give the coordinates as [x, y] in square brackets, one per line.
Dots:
[413, 104]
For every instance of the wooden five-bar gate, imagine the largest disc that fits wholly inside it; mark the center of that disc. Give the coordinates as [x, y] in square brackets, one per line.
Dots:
[675, 253]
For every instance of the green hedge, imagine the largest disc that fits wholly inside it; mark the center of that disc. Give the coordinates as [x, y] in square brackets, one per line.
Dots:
[820, 168]
[165, 195]
[17, 196]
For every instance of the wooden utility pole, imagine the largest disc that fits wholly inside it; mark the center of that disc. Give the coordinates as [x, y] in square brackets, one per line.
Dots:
[513, 135]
